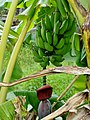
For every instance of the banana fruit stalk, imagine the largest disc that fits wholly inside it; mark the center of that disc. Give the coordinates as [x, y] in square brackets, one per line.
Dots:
[53, 35]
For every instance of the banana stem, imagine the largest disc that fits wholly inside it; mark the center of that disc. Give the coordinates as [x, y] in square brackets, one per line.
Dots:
[86, 39]
[44, 78]
[6, 29]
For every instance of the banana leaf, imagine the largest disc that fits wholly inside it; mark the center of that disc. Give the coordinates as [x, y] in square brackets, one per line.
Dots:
[7, 111]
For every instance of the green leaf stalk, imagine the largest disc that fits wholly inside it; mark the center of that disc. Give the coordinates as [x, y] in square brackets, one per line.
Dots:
[6, 29]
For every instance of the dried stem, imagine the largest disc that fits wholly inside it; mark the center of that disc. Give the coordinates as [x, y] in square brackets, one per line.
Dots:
[63, 93]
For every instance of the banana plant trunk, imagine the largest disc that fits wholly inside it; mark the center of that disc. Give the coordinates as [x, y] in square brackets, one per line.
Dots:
[86, 39]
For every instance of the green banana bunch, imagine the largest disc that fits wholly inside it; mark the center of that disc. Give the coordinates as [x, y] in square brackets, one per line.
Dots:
[54, 35]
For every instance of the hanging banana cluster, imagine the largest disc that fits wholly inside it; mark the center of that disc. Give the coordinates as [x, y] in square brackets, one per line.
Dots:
[53, 35]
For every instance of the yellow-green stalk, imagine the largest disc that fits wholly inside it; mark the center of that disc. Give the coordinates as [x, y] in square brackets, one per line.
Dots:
[6, 29]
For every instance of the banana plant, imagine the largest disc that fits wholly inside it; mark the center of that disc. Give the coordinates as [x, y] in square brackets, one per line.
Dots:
[27, 20]
[80, 9]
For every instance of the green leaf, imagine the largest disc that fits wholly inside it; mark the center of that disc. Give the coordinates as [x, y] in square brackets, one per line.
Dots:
[31, 98]
[80, 83]
[7, 3]
[20, 26]
[85, 3]
[27, 38]
[23, 15]
[17, 72]
[29, 12]
[28, 2]
[7, 111]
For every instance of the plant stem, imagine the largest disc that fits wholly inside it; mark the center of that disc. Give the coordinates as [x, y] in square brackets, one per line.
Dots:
[86, 39]
[6, 29]
[13, 60]
[44, 78]
[63, 93]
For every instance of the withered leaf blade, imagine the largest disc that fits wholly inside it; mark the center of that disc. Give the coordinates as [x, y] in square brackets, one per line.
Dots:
[83, 113]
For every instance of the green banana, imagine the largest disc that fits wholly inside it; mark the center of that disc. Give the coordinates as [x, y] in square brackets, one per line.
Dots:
[60, 43]
[62, 51]
[36, 59]
[40, 42]
[48, 47]
[71, 31]
[44, 64]
[56, 16]
[38, 30]
[63, 27]
[48, 23]
[49, 37]
[56, 63]
[45, 58]
[66, 5]
[77, 42]
[52, 59]
[61, 8]
[67, 39]
[52, 20]
[55, 39]
[70, 21]
[68, 47]
[43, 34]
[57, 58]
[56, 27]
[43, 23]
[35, 53]
[41, 52]
[43, 30]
